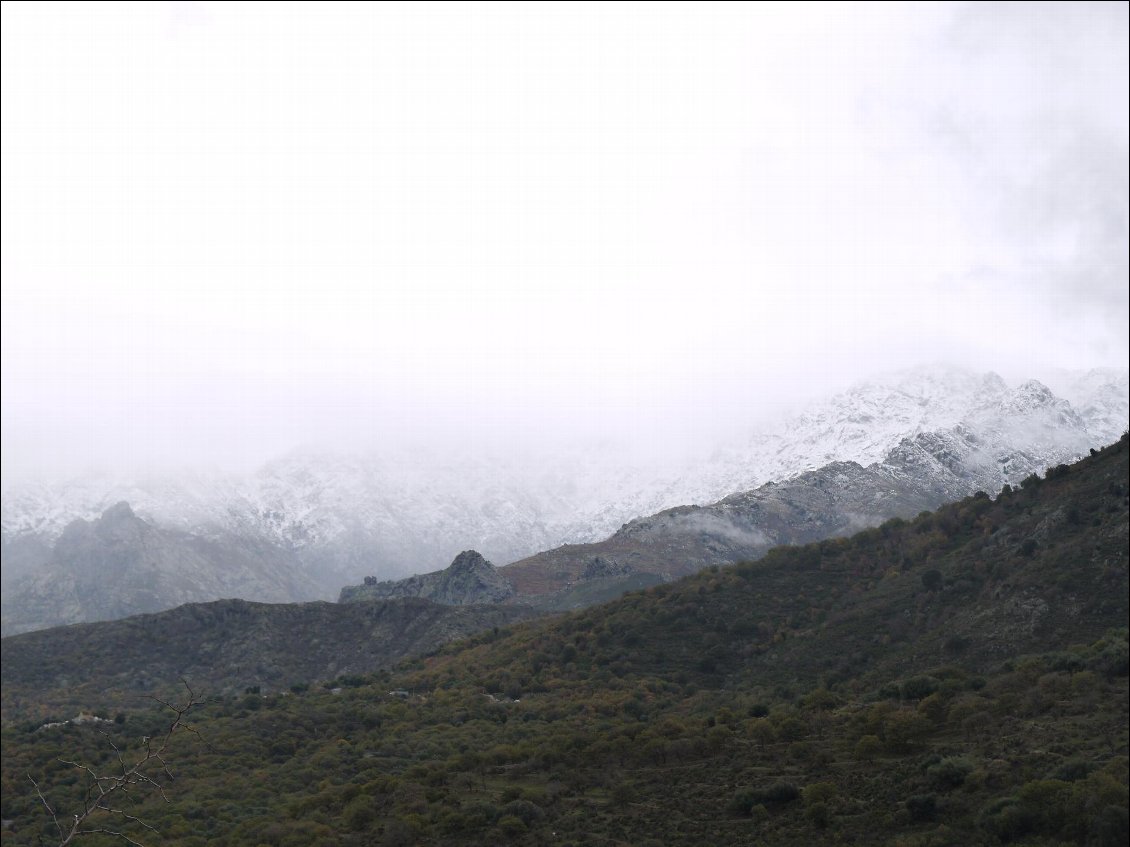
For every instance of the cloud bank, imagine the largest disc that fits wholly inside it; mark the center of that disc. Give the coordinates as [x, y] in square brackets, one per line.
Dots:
[232, 228]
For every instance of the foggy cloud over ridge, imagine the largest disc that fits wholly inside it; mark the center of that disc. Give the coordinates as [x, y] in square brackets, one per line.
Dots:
[230, 230]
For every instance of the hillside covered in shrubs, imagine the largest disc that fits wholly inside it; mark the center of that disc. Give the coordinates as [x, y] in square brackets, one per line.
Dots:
[959, 678]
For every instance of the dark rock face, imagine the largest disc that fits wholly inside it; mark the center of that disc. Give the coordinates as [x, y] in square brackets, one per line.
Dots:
[120, 514]
[601, 567]
[469, 579]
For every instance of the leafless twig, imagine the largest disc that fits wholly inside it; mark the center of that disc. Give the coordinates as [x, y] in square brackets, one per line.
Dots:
[104, 789]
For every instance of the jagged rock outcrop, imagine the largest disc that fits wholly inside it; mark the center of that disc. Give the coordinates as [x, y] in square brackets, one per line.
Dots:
[468, 580]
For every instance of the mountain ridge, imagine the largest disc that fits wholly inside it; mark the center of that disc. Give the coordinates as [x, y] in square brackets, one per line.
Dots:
[226, 646]
[343, 518]
[921, 473]
[284, 499]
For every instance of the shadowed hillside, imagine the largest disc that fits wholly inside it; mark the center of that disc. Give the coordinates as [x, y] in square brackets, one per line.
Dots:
[225, 647]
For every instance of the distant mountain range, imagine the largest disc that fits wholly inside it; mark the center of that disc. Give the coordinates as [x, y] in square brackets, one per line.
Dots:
[310, 522]
[1009, 434]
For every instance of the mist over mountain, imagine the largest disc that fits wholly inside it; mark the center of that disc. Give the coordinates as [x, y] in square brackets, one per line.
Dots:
[1008, 436]
[320, 520]
[119, 565]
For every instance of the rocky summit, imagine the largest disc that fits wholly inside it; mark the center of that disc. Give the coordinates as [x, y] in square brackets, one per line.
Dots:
[468, 580]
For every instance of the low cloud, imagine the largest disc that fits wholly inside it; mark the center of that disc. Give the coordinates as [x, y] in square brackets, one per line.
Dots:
[527, 229]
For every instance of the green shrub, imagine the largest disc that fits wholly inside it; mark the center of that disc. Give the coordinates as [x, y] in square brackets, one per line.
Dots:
[918, 687]
[359, 814]
[819, 792]
[1007, 819]
[905, 730]
[511, 825]
[868, 748]
[529, 813]
[949, 773]
[932, 579]
[1072, 770]
[746, 799]
[742, 802]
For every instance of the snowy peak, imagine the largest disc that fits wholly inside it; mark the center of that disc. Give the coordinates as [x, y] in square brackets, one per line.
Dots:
[1101, 397]
[864, 422]
[117, 525]
[1032, 397]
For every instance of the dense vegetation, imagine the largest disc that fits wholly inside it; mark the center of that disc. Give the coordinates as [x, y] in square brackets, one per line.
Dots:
[960, 678]
[224, 647]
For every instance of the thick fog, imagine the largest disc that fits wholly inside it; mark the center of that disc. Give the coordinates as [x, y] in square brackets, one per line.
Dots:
[231, 229]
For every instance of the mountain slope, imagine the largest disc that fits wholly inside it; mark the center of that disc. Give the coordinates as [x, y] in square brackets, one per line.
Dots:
[917, 474]
[952, 679]
[226, 646]
[1055, 552]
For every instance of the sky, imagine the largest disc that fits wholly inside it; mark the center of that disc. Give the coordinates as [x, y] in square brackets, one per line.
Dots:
[230, 229]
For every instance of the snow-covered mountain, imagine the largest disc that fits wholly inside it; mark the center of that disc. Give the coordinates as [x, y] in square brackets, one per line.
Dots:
[121, 565]
[1007, 436]
[864, 423]
[390, 513]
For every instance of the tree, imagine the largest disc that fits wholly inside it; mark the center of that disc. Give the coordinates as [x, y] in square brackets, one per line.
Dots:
[868, 748]
[103, 809]
[905, 730]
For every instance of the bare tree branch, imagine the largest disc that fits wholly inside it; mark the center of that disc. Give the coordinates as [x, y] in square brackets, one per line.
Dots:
[102, 788]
